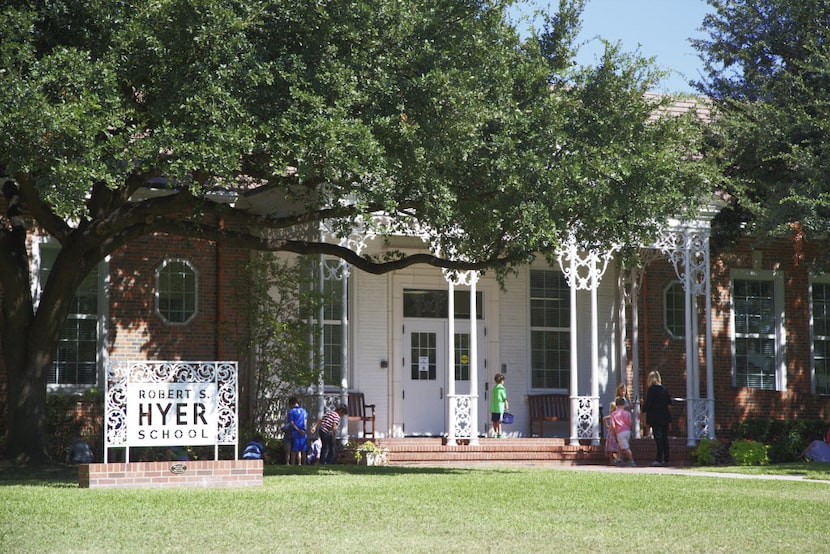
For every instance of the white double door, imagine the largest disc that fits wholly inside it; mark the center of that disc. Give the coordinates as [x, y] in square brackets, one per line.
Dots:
[426, 369]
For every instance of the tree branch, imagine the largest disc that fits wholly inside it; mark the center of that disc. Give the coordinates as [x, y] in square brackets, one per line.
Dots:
[40, 210]
[367, 264]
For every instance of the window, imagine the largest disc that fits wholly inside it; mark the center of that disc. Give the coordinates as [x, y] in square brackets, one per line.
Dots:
[820, 307]
[549, 330]
[674, 309]
[757, 321]
[424, 356]
[176, 291]
[428, 303]
[462, 356]
[334, 305]
[78, 354]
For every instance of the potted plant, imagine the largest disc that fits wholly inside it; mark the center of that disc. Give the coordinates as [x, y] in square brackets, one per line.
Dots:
[370, 454]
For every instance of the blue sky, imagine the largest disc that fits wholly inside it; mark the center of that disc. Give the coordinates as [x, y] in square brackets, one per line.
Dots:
[658, 28]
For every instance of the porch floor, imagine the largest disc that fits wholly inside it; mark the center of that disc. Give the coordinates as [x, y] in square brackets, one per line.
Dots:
[425, 451]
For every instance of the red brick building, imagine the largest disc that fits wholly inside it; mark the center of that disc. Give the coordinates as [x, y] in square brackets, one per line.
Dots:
[171, 299]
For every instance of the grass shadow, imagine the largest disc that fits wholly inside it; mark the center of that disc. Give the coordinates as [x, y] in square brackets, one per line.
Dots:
[389, 470]
[54, 475]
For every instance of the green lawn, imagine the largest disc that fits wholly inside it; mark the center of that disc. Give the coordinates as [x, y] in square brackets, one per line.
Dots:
[398, 509]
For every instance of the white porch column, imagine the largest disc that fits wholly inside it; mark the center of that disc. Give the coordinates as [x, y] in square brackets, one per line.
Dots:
[688, 250]
[462, 420]
[595, 357]
[636, 275]
[344, 342]
[584, 273]
[710, 376]
[451, 364]
[574, 356]
[622, 283]
[691, 343]
[473, 361]
[321, 381]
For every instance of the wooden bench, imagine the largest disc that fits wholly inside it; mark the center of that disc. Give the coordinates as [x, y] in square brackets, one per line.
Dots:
[548, 407]
[359, 410]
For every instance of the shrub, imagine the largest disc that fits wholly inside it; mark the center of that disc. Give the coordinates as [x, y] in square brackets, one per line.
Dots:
[787, 438]
[704, 452]
[749, 453]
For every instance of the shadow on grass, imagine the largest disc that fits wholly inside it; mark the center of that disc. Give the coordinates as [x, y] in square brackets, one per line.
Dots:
[354, 469]
[63, 476]
[56, 475]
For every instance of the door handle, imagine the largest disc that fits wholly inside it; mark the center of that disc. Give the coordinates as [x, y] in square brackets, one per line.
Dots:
[441, 393]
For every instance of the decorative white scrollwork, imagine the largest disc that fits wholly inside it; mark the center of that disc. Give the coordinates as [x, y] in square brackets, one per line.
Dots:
[462, 405]
[701, 418]
[359, 231]
[584, 271]
[586, 427]
[688, 251]
[460, 278]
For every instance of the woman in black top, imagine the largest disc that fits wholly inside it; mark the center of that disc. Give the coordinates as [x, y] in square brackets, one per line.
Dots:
[658, 416]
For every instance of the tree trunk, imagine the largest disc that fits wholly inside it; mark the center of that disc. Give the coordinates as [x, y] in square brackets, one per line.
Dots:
[26, 405]
[29, 339]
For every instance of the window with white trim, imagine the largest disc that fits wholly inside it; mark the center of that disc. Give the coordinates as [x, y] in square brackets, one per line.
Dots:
[757, 321]
[674, 309]
[79, 353]
[550, 342]
[176, 291]
[820, 312]
[335, 301]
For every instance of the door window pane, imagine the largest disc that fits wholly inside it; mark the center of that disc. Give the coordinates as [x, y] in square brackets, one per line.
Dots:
[423, 356]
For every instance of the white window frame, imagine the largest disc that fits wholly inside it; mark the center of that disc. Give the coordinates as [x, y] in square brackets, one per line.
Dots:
[333, 276]
[824, 279]
[666, 290]
[158, 271]
[779, 335]
[41, 243]
[566, 330]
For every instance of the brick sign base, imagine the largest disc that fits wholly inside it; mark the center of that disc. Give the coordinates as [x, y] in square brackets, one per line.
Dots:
[203, 474]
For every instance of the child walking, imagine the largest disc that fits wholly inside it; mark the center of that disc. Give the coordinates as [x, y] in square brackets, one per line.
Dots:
[621, 423]
[611, 445]
[498, 404]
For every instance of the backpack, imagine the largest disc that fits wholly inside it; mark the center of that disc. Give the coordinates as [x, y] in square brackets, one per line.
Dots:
[81, 453]
[253, 451]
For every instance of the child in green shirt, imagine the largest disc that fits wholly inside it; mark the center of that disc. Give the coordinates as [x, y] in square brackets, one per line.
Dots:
[498, 404]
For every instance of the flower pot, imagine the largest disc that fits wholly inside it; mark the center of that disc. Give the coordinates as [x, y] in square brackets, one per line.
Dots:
[379, 458]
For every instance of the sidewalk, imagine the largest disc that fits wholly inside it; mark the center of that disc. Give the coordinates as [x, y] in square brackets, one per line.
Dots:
[643, 470]
[648, 470]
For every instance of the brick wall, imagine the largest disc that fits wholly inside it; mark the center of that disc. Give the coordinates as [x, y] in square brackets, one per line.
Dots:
[136, 329]
[732, 404]
[200, 474]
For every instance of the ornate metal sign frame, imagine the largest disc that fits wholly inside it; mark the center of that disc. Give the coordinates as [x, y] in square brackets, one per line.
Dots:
[120, 375]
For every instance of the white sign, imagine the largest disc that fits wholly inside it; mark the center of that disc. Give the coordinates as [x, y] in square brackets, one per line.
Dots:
[171, 403]
[171, 414]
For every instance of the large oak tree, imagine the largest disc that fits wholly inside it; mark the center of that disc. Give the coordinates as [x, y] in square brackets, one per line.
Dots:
[434, 112]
